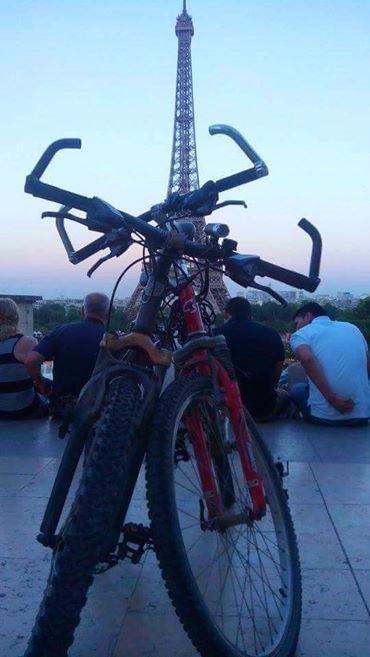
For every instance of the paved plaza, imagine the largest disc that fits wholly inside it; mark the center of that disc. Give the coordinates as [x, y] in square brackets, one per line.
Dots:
[129, 614]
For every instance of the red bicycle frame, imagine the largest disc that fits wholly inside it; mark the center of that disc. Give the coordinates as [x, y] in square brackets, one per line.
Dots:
[200, 361]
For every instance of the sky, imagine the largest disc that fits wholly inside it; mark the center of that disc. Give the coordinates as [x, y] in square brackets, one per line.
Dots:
[291, 75]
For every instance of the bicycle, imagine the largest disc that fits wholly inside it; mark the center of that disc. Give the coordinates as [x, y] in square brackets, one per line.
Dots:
[219, 518]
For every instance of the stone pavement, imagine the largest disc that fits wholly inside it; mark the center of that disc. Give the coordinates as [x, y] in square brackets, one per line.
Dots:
[128, 613]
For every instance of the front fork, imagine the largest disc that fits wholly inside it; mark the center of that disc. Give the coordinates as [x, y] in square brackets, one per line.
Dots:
[226, 391]
[244, 446]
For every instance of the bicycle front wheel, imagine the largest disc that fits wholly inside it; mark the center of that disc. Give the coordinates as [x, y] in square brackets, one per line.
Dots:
[236, 585]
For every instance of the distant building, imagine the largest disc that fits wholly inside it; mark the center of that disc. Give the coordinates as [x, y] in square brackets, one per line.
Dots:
[323, 298]
[345, 299]
[25, 304]
[63, 301]
[121, 303]
[290, 296]
[256, 297]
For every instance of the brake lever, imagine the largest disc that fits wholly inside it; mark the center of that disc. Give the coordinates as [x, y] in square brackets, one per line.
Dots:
[64, 215]
[98, 263]
[115, 252]
[224, 203]
[268, 290]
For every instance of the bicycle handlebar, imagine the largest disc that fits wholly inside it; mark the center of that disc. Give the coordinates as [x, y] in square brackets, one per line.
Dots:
[48, 155]
[103, 218]
[316, 247]
[48, 192]
[190, 201]
[310, 282]
[258, 171]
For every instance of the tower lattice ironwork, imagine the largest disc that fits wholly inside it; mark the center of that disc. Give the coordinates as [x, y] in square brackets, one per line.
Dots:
[184, 175]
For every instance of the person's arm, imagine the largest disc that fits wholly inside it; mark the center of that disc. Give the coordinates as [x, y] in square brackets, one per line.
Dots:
[23, 352]
[313, 370]
[45, 350]
[23, 347]
[33, 364]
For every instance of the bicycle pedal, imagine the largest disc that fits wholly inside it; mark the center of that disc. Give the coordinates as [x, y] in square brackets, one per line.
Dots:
[137, 533]
[137, 539]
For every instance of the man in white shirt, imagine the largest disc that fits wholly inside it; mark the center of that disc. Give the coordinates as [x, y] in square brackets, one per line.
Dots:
[335, 357]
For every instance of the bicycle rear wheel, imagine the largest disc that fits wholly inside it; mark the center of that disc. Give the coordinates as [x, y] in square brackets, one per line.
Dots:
[237, 590]
[90, 522]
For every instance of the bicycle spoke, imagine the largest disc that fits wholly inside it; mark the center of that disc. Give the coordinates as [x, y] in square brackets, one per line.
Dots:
[187, 477]
[249, 565]
[239, 570]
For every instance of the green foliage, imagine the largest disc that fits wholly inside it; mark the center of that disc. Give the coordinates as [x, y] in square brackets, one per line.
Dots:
[279, 318]
[73, 314]
[50, 315]
[118, 320]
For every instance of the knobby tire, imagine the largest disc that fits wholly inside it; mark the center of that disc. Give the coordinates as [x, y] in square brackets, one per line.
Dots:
[90, 520]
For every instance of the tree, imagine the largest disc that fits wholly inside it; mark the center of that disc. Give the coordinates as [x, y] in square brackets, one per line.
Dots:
[73, 314]
[118, 321]
[362, 310]
[48, 316]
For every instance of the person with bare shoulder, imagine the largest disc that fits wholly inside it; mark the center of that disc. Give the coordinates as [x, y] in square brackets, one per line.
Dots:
[18, 397]
[335, 357]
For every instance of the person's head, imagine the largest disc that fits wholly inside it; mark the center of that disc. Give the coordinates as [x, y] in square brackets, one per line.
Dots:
[238, 308]
[96, 306]
[9, 318]
[307, 313]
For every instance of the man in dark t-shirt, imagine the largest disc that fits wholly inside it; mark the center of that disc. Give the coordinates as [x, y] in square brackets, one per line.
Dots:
[257, 352]
[73, 348]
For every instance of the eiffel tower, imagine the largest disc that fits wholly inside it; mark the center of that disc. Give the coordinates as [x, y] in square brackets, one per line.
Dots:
[184, 175]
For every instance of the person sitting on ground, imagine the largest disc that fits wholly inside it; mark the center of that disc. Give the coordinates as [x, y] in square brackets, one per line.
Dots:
[73, 348]
[292, 375]
[257, 352]
[18, 398]
[336, 360]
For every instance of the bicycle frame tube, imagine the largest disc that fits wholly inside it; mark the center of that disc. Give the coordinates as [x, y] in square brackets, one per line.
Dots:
[190, 308]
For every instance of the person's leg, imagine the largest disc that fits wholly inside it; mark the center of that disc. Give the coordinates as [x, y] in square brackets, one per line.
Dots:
[352, 422]
[299, 394]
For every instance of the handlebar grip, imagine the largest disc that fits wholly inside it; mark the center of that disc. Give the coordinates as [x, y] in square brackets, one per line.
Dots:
[40, 189]
[237, 179]
[48, 155]
[287, 276]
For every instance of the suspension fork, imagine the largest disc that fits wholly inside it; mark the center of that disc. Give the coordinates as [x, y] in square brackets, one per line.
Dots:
[204, 464]
[243, 441]
[199, 361]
